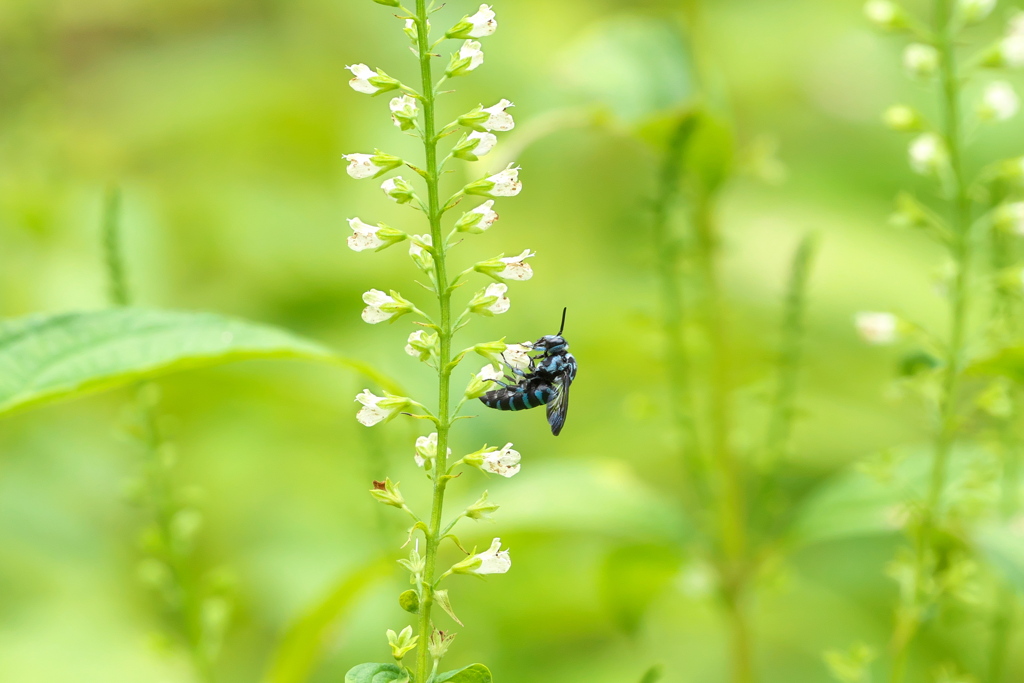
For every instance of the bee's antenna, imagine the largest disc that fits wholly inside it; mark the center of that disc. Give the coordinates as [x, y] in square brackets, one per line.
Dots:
[562, 327]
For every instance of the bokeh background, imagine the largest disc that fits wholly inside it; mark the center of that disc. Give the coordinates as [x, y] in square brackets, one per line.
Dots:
[224, 122]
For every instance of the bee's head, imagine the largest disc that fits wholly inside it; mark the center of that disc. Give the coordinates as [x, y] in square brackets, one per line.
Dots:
[550, 343]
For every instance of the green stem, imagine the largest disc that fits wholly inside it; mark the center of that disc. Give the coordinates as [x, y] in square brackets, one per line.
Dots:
[961, 248]
[433, 534]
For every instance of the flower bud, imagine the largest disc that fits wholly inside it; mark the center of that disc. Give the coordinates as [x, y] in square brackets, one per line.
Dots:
[479, 25]
[999, 102]
[371, 82]
[974, 11]
[422, 344]
[903, 119]
[387, 493]
[510, 268]
[885, 14]
[477, 220]
[481, 509]
[503, 184]
[469, 57]
[401, 643]
[381, 307]
[475, 145]
[419, 251]
[370, 165]
[398, 189]
[404, 111]
[921, 61]
[928, 154]
[491, 301]
[375, 237]
[377, 409]
[877, 328]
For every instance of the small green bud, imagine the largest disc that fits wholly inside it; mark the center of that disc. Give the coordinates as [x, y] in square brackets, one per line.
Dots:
[387, 493]
[422, 344]
[481, 509]
[410, 601]
[921, 61]
[903, 119]
[401, 643]
[398, 189]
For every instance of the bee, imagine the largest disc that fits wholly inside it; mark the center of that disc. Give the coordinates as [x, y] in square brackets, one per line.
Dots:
[545, 381]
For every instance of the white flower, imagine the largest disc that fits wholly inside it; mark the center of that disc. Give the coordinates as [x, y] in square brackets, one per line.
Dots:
[426, 450]
[410, 29]
[376, 409]
[1011, 49]
[365, 236]
[999, 102]
[375, 300]
[471, 50]
[361, 82]
[516, 267]
[398, 189]
[876, 328]
[421, 344]
[479, 219]
[504, 462]
[921, 61]
[499, 119]
[481, 382]
[1011, 217]
[489, 372]
[927, 154]
[404, 110]
[518, 355]
[491, 301]
[486, 143]
[505, 184]
[362, 166]
[420, 256]
[483, 23]
[494, 560]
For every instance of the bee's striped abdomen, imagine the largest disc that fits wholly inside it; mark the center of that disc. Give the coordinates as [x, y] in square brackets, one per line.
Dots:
[518, 397]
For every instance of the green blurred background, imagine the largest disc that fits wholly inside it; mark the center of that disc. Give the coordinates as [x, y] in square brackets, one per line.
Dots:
[224, 122]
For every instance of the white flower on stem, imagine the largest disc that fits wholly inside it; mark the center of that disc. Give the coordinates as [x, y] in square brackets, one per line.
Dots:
[370, 165]
[504, 462]
[366, 236]
[381, 306]
[1010, 217]
[884, 14]
[377, 409]
[494, 560]
[420, 256]
[999, 102]
[498, 118]
[479, 25]
[369, 81]
[503, 184]
[421, 344]
[491, 301]
[877, 328]
[516, 267]
[974, 11]
[482, 382]
[404, 111]
[921, 61]
[468, 58]
[398, 189]
[479, 219]
[518, 355]
[928, 154]
[475, 145]
[410, 29]
[426, 450]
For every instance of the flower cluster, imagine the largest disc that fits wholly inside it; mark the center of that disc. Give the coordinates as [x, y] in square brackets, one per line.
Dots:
[413, 110]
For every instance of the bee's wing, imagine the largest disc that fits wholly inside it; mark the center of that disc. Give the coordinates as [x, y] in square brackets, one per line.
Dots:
[558, 407]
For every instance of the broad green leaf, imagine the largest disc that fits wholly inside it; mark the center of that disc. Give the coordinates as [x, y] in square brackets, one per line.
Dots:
[44, 358]
[474, 673]
[377, 673]
[304, 641]
[1007, 363]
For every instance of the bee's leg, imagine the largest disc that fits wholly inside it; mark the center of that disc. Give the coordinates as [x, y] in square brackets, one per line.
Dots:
[503, 385]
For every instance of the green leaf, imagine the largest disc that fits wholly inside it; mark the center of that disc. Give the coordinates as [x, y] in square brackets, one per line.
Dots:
[377, 673]
[44, 358]
[653, 675]
[302, 644]
[633, 576]
[1007, 363]
[474, 673]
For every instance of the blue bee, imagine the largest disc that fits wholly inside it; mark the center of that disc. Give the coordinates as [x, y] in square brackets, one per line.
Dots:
[545, 382]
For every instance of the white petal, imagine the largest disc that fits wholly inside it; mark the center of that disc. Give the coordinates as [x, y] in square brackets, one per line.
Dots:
[499, 120]
[360, 166]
